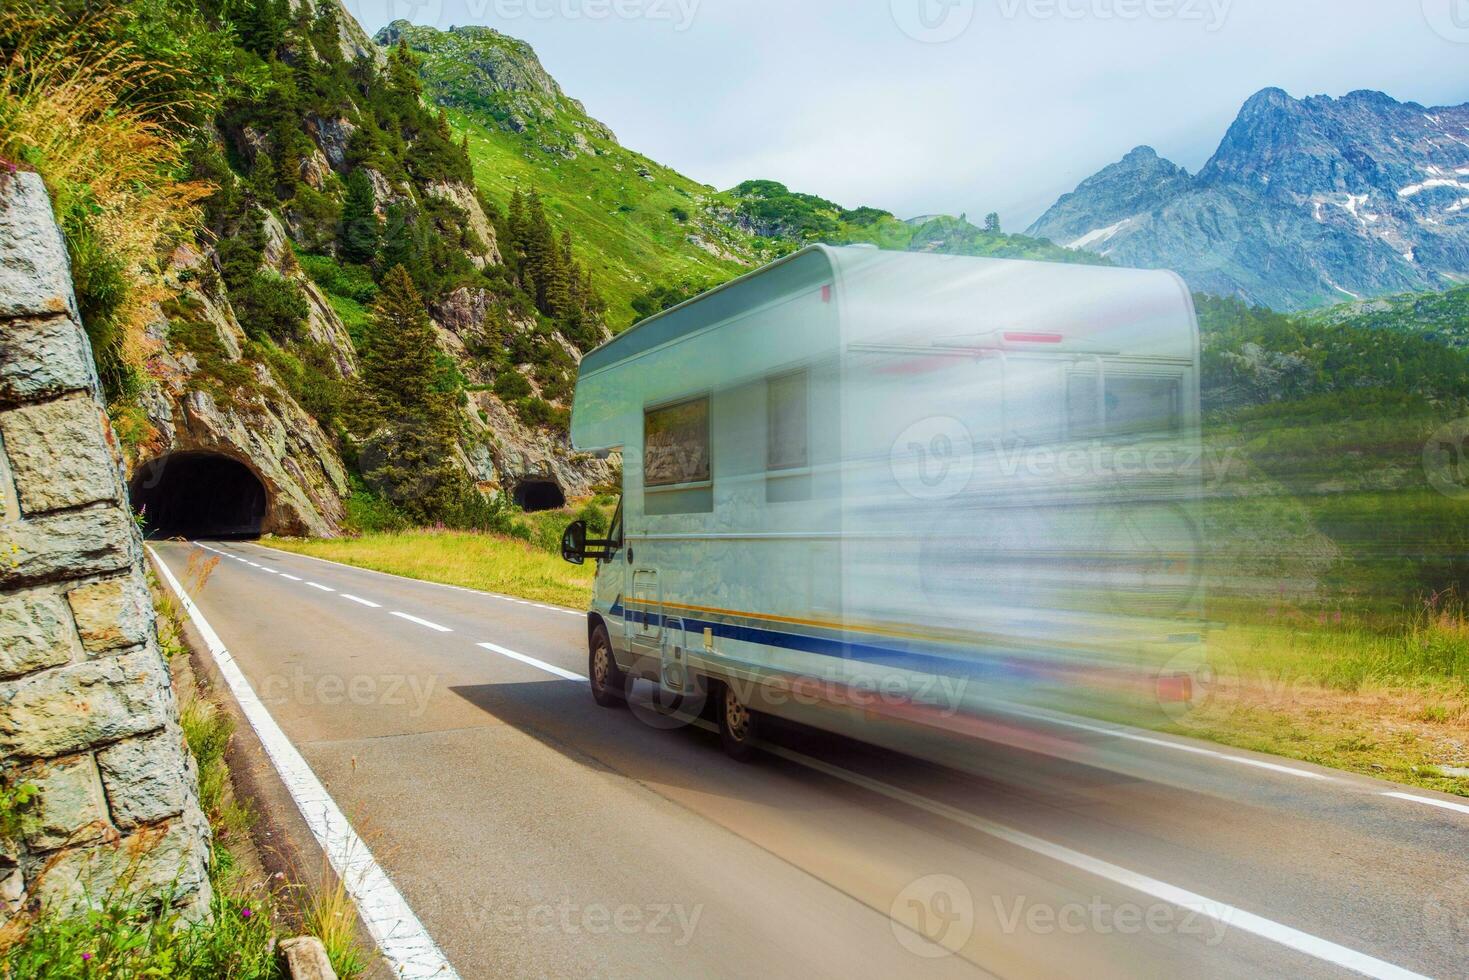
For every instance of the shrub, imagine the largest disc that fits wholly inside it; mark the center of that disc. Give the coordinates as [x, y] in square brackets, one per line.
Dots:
[354, 282]
[511, 386]
[367, 513]
[92, 115]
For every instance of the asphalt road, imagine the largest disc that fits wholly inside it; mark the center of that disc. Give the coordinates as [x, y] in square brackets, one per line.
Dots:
[535, 834]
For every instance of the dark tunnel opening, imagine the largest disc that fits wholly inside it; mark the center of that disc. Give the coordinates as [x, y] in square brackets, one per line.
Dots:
[199, 495]
[533, 495]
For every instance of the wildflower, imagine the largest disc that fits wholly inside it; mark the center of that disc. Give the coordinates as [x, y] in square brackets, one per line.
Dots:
[245, 913]
[86, 956]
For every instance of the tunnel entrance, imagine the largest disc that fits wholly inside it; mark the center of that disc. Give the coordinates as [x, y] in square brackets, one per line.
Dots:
[199, 495]
[539, 494]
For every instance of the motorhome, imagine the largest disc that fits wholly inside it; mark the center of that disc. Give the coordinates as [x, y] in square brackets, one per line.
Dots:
[853, 473]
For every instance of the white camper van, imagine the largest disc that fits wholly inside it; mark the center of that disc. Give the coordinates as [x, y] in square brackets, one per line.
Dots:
[854, 472]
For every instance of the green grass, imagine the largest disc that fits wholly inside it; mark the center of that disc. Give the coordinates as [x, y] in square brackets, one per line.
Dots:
[624, 227]
[487, 562]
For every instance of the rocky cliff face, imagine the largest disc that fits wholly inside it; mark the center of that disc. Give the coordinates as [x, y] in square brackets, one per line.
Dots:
[482, 70]
[1305, 202]
[219, 394]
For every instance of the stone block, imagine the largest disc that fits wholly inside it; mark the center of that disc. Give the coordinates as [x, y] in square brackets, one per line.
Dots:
[72, 708]
[35, 272]
[35, 632]
[59, 457]
[306, 959]
[75, 544]
[164, 862]
[41, 357]
[9, 502]
[68, 808]
[146, 778]
[112, 614]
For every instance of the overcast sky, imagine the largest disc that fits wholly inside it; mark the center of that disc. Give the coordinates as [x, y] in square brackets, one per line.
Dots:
[929, 106]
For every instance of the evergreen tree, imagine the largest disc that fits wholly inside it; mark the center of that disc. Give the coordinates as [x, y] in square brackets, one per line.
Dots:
[992, 223]
[261, 24]
[405, 244]
[360, 234]
[410, 458]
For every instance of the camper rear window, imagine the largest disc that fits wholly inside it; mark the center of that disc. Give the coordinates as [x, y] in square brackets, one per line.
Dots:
[676, 444]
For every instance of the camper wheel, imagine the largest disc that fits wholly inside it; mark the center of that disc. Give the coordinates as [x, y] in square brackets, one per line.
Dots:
[739, 727]
[609, 684]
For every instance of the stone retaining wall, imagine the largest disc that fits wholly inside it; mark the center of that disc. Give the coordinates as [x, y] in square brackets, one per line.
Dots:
[87, 713]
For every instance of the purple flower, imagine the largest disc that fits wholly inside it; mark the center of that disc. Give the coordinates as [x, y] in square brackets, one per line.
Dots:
[86, 956]
[245, 913]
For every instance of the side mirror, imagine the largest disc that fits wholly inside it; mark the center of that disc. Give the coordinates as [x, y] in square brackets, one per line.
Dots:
[574, 543]
[576, 549]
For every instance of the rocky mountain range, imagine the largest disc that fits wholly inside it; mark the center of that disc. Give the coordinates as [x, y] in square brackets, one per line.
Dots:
[1306, 202]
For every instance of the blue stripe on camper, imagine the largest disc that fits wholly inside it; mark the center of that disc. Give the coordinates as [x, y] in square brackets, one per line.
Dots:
[843, 648]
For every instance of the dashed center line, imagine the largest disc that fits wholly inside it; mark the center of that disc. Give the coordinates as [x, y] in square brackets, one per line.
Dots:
[423, 622]
[532, 661]
[289, 577]
[318, 585]
[361, 602]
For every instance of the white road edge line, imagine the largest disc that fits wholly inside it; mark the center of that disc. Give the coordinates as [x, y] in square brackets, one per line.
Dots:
[1228, 915]
[318, 585]
[361, 602]
[532, 661]
[423, 622]
[1442, 804]
[405, 944]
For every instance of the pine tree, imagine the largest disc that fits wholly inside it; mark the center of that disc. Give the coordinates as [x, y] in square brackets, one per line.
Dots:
[992, 223]
[410, 459]
[405, 243]
[360, 234]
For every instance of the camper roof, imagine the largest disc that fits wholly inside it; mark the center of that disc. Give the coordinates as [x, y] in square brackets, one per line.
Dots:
[944, 300]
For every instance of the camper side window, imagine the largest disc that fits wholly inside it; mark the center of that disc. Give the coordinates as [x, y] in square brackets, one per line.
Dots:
[786, 407]
[676, 444]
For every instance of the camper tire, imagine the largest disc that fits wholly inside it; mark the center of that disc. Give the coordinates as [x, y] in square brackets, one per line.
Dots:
[739, 727]
[609, 684]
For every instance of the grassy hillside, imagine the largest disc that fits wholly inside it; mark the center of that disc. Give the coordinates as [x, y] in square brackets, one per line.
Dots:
[637, 223]
[1434, 316]
[649, 235]
[782, 218]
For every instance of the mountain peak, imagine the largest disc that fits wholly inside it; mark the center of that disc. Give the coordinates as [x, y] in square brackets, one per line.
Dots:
[1267, 98]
